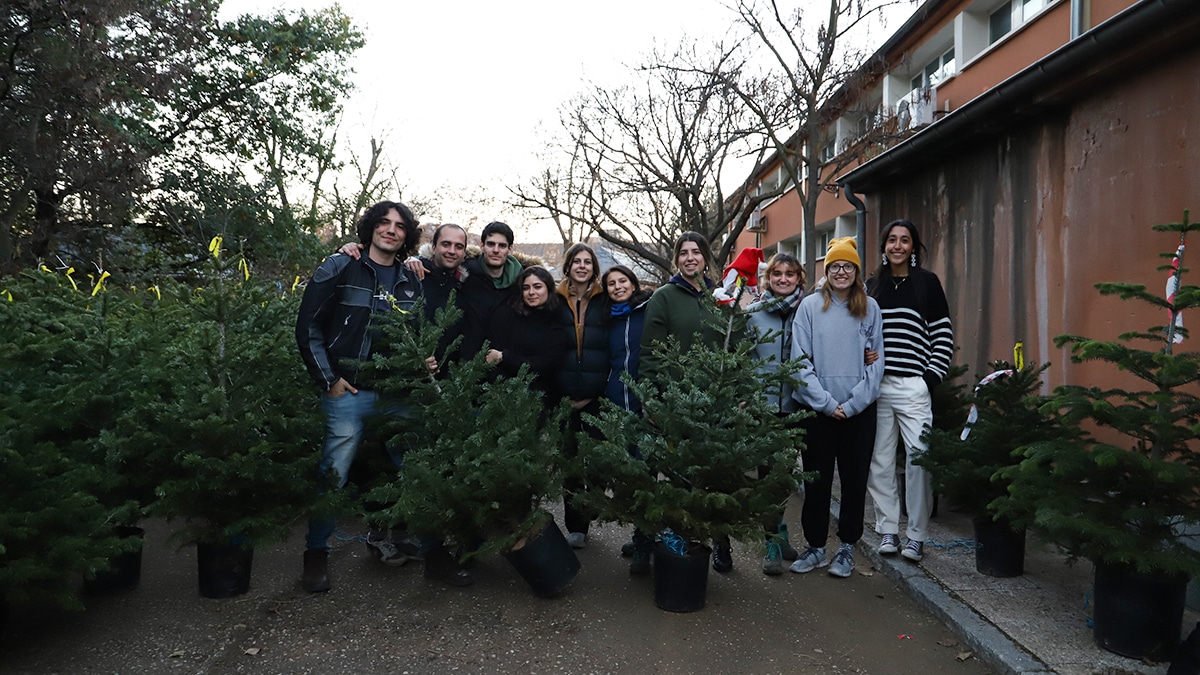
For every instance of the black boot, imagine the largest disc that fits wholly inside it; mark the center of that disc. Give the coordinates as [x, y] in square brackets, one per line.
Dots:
[316, 570]
[442, 565]
[722, 555]
[640, 554]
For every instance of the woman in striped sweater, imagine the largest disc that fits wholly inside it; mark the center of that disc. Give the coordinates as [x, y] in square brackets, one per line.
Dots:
[919, 343]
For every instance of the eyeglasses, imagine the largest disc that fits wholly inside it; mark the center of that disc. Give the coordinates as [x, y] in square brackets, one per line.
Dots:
[842, 268]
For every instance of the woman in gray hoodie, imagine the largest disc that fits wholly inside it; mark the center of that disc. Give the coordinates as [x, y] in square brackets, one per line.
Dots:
[833, 328]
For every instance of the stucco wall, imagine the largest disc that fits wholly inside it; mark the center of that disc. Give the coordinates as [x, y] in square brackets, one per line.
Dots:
[1020, 228]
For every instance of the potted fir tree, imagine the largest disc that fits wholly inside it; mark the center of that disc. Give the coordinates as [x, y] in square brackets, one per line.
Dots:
[966, 464]
[227, 416]
[704, 435]
[481, 457]
[1127, 495]
[51, 411]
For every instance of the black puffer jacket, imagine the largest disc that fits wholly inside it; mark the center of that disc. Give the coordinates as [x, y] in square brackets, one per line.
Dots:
[531, 337]
[583, 371]
[332, 328]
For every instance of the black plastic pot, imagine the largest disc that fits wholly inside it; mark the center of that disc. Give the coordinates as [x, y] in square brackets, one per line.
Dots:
[545, 560]
[124, 569]
[1138, 615]
[680, 581]
[999, 549]
[224, 570]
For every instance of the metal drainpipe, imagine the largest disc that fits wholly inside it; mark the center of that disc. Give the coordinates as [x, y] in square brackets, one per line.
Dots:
[1077, 18]
[860, 210]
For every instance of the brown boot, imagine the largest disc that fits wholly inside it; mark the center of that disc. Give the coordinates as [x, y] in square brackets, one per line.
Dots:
[316, 570]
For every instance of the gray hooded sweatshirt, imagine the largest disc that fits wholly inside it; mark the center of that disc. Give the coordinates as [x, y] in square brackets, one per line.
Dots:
[834, 341]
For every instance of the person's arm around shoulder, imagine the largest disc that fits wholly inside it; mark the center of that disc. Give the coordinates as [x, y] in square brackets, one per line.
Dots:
[810, 393]
[867, 390]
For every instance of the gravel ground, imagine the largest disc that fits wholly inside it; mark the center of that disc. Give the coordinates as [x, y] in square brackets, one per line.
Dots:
[380, 619]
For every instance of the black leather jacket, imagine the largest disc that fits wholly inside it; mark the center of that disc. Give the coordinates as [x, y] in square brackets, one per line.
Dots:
[332, 329]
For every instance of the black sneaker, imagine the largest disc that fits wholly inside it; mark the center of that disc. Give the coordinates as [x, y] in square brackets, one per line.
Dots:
[722, 556]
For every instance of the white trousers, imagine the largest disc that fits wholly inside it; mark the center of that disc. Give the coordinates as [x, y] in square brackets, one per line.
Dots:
[904, 408]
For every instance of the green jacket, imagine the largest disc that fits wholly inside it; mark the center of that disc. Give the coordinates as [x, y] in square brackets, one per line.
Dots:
[676, 309]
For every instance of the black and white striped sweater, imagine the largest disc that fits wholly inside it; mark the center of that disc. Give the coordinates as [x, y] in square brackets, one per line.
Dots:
[917, 336]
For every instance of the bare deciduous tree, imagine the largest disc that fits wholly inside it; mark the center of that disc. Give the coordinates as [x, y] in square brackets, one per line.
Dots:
[647, 161]
[795, 77]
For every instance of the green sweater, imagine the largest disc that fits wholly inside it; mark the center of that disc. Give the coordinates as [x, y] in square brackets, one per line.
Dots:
[676, 309]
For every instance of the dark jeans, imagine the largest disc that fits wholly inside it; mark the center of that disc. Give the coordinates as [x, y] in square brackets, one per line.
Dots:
[849, 444]
[574, 517]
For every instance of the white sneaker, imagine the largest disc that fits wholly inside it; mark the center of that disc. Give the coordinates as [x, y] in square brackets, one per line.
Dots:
[577, 539]
[914, 550]
[889, 544]
[811, 559]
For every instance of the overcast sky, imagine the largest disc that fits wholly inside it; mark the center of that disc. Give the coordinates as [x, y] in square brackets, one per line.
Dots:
[459, 90]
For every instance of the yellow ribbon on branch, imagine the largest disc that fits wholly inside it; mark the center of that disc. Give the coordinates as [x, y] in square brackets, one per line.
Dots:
[214, 246]
[100, 283]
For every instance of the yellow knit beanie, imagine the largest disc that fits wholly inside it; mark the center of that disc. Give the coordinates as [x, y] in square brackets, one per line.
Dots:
[843, 249]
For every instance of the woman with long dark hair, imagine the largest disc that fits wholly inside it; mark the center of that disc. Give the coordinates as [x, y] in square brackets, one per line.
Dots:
[583, 371]
[833, 328]
[920, 344]
[626, 303]
[526, 330]
[679, 309]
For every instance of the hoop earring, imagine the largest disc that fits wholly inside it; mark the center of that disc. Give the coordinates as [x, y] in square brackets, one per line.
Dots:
[884, 257]
[914, 260]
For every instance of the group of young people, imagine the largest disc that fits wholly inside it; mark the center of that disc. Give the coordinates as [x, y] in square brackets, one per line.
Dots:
[875, 349]
[579, 336]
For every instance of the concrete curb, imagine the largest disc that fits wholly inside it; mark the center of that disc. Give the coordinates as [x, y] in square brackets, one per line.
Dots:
[989, 643]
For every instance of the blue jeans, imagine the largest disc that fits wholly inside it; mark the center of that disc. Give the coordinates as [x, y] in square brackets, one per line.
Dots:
[344, 420]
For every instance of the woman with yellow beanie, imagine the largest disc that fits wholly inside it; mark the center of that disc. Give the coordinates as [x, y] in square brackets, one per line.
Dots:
[833, 327]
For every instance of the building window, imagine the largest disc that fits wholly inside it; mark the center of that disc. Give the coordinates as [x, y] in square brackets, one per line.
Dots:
[935, 71]
[1000, 22]
[823, 239]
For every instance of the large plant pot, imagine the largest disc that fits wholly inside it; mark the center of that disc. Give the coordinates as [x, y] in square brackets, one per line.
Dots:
[224, 570]
[999, 549]
[124, 569]
[680, 581]
[1138, 615]
[545, 561]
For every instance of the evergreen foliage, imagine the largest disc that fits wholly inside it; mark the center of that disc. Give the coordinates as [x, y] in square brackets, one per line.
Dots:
[481, 451]
[58, 497]
[951, 401]
[705, 431]
[967, 472]
[226, 413]
[1131, 502]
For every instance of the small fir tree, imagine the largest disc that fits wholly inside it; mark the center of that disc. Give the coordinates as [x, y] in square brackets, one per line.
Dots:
[481, 453]
[967, 471]
[1126, 502]
[57, 497]
[232, 418]
[705, 431]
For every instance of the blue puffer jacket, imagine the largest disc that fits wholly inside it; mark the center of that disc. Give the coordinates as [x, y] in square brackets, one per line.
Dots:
[624, 354]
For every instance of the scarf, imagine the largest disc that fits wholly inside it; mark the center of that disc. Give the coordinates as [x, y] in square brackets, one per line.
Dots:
[771, 303]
